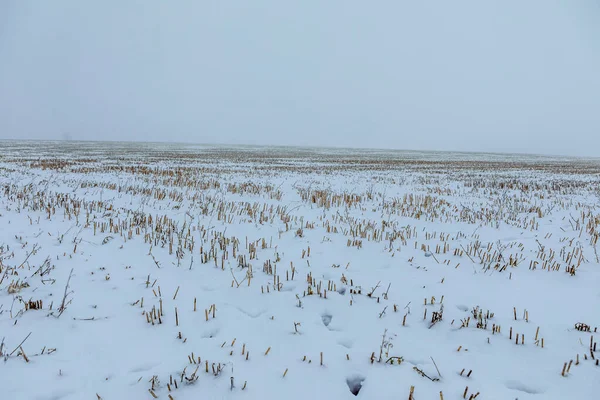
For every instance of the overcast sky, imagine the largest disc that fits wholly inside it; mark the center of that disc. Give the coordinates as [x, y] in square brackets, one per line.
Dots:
[472, 75]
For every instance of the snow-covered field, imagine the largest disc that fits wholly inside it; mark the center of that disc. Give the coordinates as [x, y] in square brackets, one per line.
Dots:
[141, 271]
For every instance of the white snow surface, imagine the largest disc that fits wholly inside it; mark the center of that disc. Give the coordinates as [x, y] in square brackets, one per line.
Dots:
[422, 233]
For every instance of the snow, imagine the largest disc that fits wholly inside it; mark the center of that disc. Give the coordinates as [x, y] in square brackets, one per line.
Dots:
[364, 232]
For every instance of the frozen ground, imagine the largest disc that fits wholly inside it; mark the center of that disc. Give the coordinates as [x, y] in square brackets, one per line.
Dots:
[169, 271]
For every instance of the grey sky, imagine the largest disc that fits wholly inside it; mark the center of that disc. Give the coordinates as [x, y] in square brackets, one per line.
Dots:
[473, 75]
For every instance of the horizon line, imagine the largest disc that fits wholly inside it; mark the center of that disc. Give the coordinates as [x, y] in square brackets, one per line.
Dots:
[392, 149]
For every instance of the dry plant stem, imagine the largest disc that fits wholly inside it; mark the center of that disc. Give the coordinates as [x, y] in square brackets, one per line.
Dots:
[24, 355]
[63, 304]
[33, 250]
[436, 367]
[20, 344]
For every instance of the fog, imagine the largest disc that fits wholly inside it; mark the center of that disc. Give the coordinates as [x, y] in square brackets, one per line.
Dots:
[462, 75]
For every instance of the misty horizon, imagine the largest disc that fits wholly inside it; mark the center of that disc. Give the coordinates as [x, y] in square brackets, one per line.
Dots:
[351, 151]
